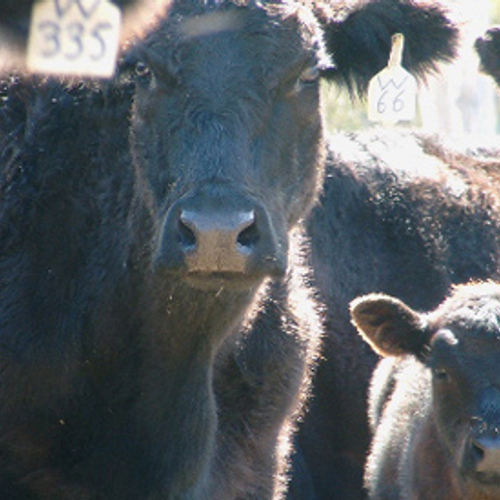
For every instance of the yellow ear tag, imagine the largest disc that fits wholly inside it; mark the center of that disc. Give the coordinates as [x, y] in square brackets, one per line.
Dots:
[74, 37]
[392, 92]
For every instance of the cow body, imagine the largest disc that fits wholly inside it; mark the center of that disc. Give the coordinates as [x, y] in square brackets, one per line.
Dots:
[435, 399]
[128, 323]
[157, 325]
[402, 215]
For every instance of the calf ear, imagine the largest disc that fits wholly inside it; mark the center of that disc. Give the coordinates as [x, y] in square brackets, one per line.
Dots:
[360, 43]
[389, 326]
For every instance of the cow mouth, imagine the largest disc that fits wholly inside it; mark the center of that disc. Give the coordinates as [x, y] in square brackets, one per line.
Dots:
[221, 280]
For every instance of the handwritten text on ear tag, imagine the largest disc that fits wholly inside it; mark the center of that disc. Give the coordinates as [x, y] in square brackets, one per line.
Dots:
[392, 92]
[74, 37]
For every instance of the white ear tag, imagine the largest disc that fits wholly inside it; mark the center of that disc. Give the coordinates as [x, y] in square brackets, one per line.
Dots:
[74, 37]
[392, 92]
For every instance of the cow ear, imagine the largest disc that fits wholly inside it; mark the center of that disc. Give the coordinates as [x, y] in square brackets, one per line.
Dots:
[389, 325]
[360, 42]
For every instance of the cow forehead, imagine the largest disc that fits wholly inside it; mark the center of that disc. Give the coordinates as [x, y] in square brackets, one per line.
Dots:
[462, 329]
[472, 311]
[469, 343]
[475, 354]
[473, 341]
[211, 23]
[274, 35]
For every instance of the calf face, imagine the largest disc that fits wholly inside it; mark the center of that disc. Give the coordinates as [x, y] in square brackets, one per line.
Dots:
[459, 343]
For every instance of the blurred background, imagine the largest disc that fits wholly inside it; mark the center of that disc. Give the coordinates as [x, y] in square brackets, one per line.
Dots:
[458, 101]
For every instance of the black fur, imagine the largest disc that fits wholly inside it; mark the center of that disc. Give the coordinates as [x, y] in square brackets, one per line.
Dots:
[400, 214]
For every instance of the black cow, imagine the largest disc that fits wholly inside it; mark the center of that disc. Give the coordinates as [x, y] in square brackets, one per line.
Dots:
[435, 398]
[403, 215]
[156, 324]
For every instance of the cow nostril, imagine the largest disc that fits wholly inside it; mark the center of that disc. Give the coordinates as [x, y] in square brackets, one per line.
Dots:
[477, 451]
[186, 236]
[249, 237]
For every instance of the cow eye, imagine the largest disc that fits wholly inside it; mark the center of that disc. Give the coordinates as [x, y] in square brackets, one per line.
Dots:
[142, 70]
[307, 78]
[309, 75]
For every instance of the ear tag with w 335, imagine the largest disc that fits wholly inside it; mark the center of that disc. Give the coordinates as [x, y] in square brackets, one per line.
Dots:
[392, 92]
[74, 37]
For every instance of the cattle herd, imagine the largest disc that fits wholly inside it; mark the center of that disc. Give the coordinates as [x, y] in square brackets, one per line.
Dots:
[204, 296]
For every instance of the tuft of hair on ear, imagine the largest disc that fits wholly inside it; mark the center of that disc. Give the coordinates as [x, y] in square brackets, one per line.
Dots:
[488, 50]
[360, 41]
[389, 326]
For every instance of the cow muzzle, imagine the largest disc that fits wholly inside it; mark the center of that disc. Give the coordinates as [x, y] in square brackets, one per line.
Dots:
[483, 451]
[220, 236]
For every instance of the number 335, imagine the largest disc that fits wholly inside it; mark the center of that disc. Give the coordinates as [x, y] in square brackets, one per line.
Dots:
[72, 40]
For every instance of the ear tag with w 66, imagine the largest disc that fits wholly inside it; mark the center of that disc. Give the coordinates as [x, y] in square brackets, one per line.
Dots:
[74, 37]
[392, 92]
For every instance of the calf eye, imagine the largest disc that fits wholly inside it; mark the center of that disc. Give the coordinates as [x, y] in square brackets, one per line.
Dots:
[441, 374]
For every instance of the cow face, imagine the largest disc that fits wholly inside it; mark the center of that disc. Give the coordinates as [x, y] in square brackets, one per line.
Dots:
[460, 344]
[466, 396]
[464, 357]
[227, 135]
